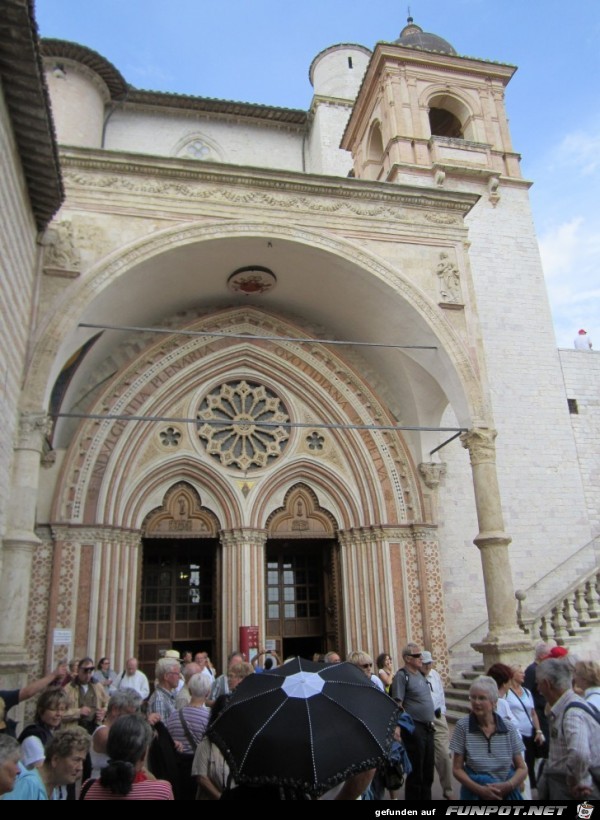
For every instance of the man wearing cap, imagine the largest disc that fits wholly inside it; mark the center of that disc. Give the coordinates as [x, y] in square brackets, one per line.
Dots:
[583, 341]
[441, 736]
[412, 692]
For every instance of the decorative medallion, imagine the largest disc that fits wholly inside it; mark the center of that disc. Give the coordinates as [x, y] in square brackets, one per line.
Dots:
[241, 425]
[252, 280]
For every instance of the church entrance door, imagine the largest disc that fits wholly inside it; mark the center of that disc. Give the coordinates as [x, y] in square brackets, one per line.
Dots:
[177, 598]
[300, 599]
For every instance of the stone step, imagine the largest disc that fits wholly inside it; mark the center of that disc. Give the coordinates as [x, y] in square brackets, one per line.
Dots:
[459, 684]
[458, 704]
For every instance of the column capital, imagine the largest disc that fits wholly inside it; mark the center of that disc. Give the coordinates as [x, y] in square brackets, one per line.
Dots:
[33, 429]
[432, 473]
[479, 441]
[243, 535]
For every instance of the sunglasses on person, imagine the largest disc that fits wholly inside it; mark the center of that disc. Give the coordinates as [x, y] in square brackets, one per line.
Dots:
[366, 665]
[414, 655]
[87, 669]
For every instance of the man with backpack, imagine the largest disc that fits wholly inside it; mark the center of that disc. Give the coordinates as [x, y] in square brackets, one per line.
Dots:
[572, 770]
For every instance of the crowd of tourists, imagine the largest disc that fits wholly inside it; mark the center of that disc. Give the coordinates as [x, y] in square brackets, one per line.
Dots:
[102, 735]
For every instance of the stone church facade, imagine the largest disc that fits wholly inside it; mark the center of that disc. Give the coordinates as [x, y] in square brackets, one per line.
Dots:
[282, 368]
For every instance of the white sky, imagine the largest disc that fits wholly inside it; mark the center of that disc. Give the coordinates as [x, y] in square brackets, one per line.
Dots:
[260, 51]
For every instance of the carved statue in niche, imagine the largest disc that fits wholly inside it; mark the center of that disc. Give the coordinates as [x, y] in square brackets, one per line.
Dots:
[449, 279]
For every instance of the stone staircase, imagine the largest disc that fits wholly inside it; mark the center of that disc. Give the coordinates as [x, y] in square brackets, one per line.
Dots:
[457, 694]
[571, 618]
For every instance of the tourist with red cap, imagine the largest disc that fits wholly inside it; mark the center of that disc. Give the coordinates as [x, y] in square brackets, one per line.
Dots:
[583, 341]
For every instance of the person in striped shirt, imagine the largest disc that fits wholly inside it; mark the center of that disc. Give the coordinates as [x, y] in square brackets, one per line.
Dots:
[124, 778]
[488, 750]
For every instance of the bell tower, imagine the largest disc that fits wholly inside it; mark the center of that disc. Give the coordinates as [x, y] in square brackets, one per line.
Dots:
[426, 115]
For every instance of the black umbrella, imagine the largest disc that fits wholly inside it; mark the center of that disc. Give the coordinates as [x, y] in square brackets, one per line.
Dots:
[305, 726]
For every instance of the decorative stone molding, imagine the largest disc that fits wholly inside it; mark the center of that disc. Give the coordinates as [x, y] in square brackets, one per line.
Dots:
[181, 516]
[480, 443]
[301, 516]
[493, 185]
[432, 473]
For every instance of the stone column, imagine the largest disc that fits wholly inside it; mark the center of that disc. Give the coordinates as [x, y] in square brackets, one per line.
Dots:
[113, 593]
[242, 585]
[20, 542]
[504, 642]
[367, 590]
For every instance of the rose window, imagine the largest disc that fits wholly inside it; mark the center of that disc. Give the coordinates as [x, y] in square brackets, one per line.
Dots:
[240, 423]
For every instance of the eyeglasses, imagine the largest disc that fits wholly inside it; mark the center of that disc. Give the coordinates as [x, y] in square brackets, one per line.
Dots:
[415, 655]
[87, 669]
[366, 665]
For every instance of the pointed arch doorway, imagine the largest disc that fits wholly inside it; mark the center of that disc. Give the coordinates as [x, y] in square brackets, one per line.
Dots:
[180, 578]
[303, 612]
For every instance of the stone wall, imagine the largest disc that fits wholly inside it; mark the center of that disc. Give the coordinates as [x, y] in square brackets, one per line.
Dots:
[190, 136]
[538, 466]
[18, 254]
[581, 373]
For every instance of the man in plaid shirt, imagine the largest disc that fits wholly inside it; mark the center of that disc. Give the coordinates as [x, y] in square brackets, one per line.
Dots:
[572, 770]
[162, 700]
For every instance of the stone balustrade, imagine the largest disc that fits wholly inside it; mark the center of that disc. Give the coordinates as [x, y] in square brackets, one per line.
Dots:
[571, 614]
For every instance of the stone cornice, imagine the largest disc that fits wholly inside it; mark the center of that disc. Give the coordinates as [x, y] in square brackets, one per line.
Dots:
[26, 96]
[219, 109]
[441, 60]
[189, 179]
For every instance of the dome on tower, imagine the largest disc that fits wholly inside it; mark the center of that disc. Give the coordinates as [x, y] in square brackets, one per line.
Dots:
[413, 36]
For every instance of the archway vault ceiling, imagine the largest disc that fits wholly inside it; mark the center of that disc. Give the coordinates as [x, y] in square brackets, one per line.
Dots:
[324, 294]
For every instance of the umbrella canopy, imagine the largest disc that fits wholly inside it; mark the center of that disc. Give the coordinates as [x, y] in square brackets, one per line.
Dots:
[305, 725]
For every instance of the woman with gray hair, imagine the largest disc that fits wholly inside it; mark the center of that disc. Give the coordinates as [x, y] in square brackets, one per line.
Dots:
[488, 751]
[187, 726]
[9, 763]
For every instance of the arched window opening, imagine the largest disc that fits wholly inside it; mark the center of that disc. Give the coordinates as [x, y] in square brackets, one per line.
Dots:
[445, 124]
[375, 152]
